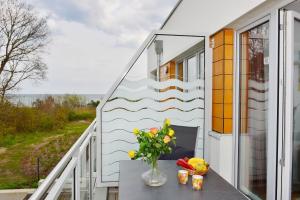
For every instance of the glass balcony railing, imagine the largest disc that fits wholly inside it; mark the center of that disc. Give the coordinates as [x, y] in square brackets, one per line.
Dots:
[164, 80]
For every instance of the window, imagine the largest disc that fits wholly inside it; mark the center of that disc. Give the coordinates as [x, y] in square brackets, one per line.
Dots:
[180, 71]
[192, 69]
[254, 81]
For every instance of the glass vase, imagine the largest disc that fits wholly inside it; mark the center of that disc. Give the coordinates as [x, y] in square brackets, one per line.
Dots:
[154, 177]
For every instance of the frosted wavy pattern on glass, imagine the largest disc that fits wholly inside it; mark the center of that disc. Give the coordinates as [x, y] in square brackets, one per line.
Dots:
[142, 101]
[124, 112]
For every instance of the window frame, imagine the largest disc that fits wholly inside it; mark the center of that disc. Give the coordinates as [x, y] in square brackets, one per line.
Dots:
[272, 19]
[287, 42]
[187, 65]
[185, 59]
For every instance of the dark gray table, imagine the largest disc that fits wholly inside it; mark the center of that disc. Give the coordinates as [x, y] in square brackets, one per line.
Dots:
[132, 187]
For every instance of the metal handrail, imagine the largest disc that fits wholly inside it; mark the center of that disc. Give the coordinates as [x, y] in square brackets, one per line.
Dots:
[126, 71]
[46, 184]
[58, 187]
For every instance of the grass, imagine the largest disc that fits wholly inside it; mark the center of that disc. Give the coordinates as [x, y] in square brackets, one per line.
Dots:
[19, 152]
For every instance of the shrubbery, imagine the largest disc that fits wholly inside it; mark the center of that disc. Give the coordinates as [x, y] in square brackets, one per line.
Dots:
[93, 103]
[80, 115]
[44, 115]
[49, 153]
[43, 132]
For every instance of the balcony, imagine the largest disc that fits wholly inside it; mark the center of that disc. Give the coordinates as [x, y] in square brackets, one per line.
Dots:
[165, 79]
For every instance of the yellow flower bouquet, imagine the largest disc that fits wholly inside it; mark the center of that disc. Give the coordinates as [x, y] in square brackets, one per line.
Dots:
[152, 144]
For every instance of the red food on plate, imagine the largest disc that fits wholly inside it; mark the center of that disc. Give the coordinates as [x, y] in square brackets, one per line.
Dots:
[186, 159]
[184, 164]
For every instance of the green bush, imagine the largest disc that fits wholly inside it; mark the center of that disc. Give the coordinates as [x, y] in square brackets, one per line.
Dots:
[44, 115]
[46, 122]
[73, 101]
[93, 103]
[75, 116]
[25, 119]
[7, 118]
[7, 140]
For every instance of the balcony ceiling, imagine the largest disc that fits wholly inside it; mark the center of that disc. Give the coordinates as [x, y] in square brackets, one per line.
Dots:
[207, 16]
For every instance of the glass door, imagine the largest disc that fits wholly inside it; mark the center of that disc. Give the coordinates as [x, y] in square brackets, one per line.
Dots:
[291, 135]
[253, 127]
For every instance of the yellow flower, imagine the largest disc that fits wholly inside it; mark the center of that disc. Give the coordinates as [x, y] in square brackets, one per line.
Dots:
[153, 131]
[167, 122]
[171, 132]
[167, 139]
[150, 135]
[136, 131]
[131, 154]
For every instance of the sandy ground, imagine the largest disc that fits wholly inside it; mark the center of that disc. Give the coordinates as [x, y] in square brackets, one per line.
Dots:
[2, 150]
[18, 194]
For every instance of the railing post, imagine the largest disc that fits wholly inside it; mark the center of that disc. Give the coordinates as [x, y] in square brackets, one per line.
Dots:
[98, 146]
[90, 169]
[77, 175]
[93, 161]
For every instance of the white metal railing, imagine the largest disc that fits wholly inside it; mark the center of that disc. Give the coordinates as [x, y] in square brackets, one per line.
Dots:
[73, 175]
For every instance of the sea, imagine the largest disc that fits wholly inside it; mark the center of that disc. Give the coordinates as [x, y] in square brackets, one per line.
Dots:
[28, 99]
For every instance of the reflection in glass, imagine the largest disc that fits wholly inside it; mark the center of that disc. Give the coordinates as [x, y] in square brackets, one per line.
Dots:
[94, 158]
[192, 69]
[296, 124]
[254, 81]
[85, 174]
[67, 192]
[180, 71]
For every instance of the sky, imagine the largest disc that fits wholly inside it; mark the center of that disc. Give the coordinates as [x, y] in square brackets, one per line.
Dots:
[92, 41]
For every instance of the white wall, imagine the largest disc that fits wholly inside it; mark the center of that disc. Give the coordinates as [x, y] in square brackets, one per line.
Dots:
[207, 16]
[220, 154]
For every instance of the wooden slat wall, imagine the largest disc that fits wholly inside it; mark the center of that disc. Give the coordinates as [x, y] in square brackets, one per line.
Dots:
[245, 77]
[222, 44]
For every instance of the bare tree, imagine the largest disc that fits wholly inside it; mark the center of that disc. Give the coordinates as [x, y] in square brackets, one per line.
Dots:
[23, 36]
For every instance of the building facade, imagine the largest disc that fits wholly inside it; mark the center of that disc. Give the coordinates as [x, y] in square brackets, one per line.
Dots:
[251, 95]
[229, 80]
